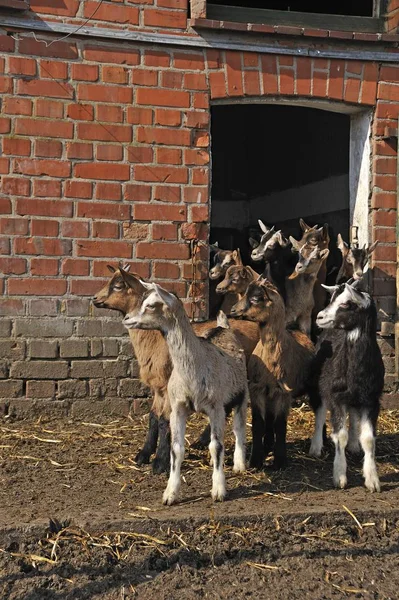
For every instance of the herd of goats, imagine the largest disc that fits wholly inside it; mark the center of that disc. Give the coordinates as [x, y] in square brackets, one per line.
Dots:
[263, 354]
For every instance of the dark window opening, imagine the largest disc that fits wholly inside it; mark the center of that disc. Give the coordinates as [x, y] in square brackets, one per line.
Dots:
[278, 163]
[360, 8]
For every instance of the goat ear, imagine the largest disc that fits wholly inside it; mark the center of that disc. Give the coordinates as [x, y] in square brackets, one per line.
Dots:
[282, 239]
[330, 288]
[325, 231]
[343, 246]
[221, 320]
[237, 257]
[214, 247]
[253, 243]
[373, 246]
[304, 226]
[263, 227]
[132, 282]
[295, 244]
[324, 254]
[111, 268]
[166, 297]
[146, 285]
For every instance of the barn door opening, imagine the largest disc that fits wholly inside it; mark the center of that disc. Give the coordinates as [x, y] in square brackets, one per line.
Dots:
[282, 162]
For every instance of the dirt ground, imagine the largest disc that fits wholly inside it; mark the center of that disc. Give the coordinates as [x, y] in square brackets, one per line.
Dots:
[78, 519]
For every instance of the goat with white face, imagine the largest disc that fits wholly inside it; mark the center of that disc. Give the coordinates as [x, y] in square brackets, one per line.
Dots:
[350, 379]
[209, 376]
[222, 260]
[354, 259]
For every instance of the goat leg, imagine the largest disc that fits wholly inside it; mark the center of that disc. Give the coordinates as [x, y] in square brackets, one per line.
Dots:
[204, 439]
[150, 444]
[367, 441]
[258, 427]
[268, 439]
[161, 462]
[280, 447]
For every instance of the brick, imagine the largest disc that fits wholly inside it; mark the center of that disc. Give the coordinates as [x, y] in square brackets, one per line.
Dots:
[16, 186]
[103, 55]
[106, 230]
[12, 266]
[217, 83]
[140, 154]
[102, 210]
[46, 208]
[286, 81]
[385, 165]
[4, 166]
[200, 176]
[5, 125]
[166, 270]
[146, 77]
[155, 58]
[71, 389]
[172, 79]
[137, 192]
[22, 66]
[381, 200]
[369, 84]
[44, 227]
[169, 156]
[39, 369]
[164, 231]
[80, 112]
[75, 229]
[43, 267]
[78, 189]
[12, 349]
[49, 108]
[87, 409]
[162, 250]
[106, 133]
[47, 188]
[142, 116]
[384, 218]
[168, 117]
[189, 61]
[110, 347]
[109, 152]
[114, 74]
[133, 389]
[81, 151]
[269, 73]
[195, 195]
[86, 369]
[53, 69]
[83, 72]
[49, 89]
[168, 193]
[40, 389]
[17, 106]
[135, 231]
[11, 388]
[43, 349]
[117, 14]
[43, 307]
[52, 168]
[42, 246]
[167, 174]
[109, 191]
[66, 8]
[74, 348]
[7, 43]
[384, 253]
[37, 287]
[99, 249]
[155, 97]
[386, 235]
[73, 266]
[77, 307]
[6, 85]
[196, 157]
[5, 206]
[320, 82]
[170, 137]
[199, 213]
[48, 148]
[165, 18]
[103, 171]
[16, 146]
[149, 212]
[43, 328]
[14, 226]
[110, 113]
[5, 329]
[105, 93]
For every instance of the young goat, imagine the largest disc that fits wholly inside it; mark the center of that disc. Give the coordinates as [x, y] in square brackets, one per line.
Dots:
[209, 376]
[278, 255]
[222, 260]
[277, 370]
[123, 292]
[348, 378]
[236, 281]
[300, 286]
[354, 259]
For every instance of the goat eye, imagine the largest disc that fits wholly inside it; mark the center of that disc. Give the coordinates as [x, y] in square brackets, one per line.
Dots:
[254, 300]
[150, 307]
[118, 288]
[235, 280]
[344, 305]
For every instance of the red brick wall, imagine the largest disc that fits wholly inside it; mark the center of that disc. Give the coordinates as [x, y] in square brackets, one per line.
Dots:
[105, 155]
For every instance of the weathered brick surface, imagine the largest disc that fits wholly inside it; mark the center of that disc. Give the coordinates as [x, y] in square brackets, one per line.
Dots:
[106, 155]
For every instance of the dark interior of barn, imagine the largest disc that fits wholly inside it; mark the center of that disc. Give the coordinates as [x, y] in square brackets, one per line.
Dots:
[360, 8]
[278, 163]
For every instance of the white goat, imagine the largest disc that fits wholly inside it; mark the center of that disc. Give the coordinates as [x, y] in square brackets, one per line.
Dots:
[209, 376]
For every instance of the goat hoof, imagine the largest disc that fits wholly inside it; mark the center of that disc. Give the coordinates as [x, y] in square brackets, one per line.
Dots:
[315, 451]
[279, 464]
[340, 481]
[218, 495]
[373, 484]
[160, 465]
[256, 463]
[142, 458]
[239, 467]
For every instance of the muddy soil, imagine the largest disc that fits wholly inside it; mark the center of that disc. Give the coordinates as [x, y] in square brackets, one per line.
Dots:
[279, 535]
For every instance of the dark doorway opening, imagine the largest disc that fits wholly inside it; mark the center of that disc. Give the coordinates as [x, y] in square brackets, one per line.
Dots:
[360, 8]
[278, 163]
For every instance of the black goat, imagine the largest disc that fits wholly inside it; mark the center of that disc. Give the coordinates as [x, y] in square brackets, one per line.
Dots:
[348, 377]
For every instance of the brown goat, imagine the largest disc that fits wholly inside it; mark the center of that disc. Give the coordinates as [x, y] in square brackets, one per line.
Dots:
[277, 370]
[123, 292]
[354, 259]
[237, 280]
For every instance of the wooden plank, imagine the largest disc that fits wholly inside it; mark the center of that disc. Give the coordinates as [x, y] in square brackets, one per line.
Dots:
[295, 19]
[14, 4]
